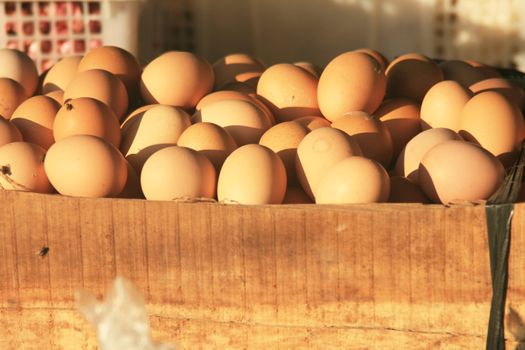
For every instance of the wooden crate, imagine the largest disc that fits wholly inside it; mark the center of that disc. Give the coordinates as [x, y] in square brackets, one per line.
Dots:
[383, 276]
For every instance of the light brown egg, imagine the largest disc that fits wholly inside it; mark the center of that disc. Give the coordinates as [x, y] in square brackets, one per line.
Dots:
[34, 118]
[22, 168]
[353, 180]
[61, 74]
[18, 66]
[442, 105]
[159, 127]
[404, 190]
[100, 85]
[176, 78]
[259, 101]
[118, 62]
[8, 132]
[57, 95]
[178, 173]
[408, 161]
[12, 94]
[459, 171]
[234, 95]
[492, 121]
[411, 76]
[210, 140]
[221, 96]
[504, 87]
[313, 122]
[289, 91]
[401, 117]
[252, 174]
[86, 116]
[132, 187]
[369, 132]
[353, 81]
[379, 57]
[461, 72]
[236, 68]
[283, 139]
[318, 151]
[310, 68]
[296, 195]
[133, 115]
[86, 166]
[243, 120]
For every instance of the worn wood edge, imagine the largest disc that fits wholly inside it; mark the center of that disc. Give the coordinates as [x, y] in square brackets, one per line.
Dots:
[12, 195]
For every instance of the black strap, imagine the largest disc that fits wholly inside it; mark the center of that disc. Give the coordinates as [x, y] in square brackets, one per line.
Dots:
[499, 212]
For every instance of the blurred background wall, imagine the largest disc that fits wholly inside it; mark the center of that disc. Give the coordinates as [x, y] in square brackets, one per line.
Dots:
[492, 31]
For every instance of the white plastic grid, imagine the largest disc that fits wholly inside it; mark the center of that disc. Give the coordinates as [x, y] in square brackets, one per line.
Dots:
[49, 30]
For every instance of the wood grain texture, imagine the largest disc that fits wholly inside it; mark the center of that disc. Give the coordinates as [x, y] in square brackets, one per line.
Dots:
[227, 276]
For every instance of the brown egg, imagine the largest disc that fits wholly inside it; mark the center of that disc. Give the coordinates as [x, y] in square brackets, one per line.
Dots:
[296, 195]
[379, 57]
[34, 118]
[132, 187]
[461, 72]
[22, 168]
[210, 140]
[492, 121]
[412, 75]
[408, 161]
[8, 132]
[289, 91]
[159, 127]
[459, 171]
[442, 105]
[117, 61]
[353, 81]
[240, 87]
[18, 66]
[61, 74]
[353, 180]
[504, 87]
[235, 68]
[487, 71]
[313, 122]
[310, 68]
[100, 85]
[401, 117]
[57, 95]
[162, 178]
[283, 139]
[369, 132]
[176, 78]
[243, 120]
[86, 116]
[404, 190]
[252, 174]
[251, 79]
[318, 151]
[86, 166]
[12, 94]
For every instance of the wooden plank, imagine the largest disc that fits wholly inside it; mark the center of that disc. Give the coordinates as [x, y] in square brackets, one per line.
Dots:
[368, 276]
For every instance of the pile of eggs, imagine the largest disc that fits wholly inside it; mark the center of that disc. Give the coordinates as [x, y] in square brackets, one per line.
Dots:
[361, 130]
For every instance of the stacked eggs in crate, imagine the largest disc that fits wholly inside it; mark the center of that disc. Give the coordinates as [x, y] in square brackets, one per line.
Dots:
[360, 130]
